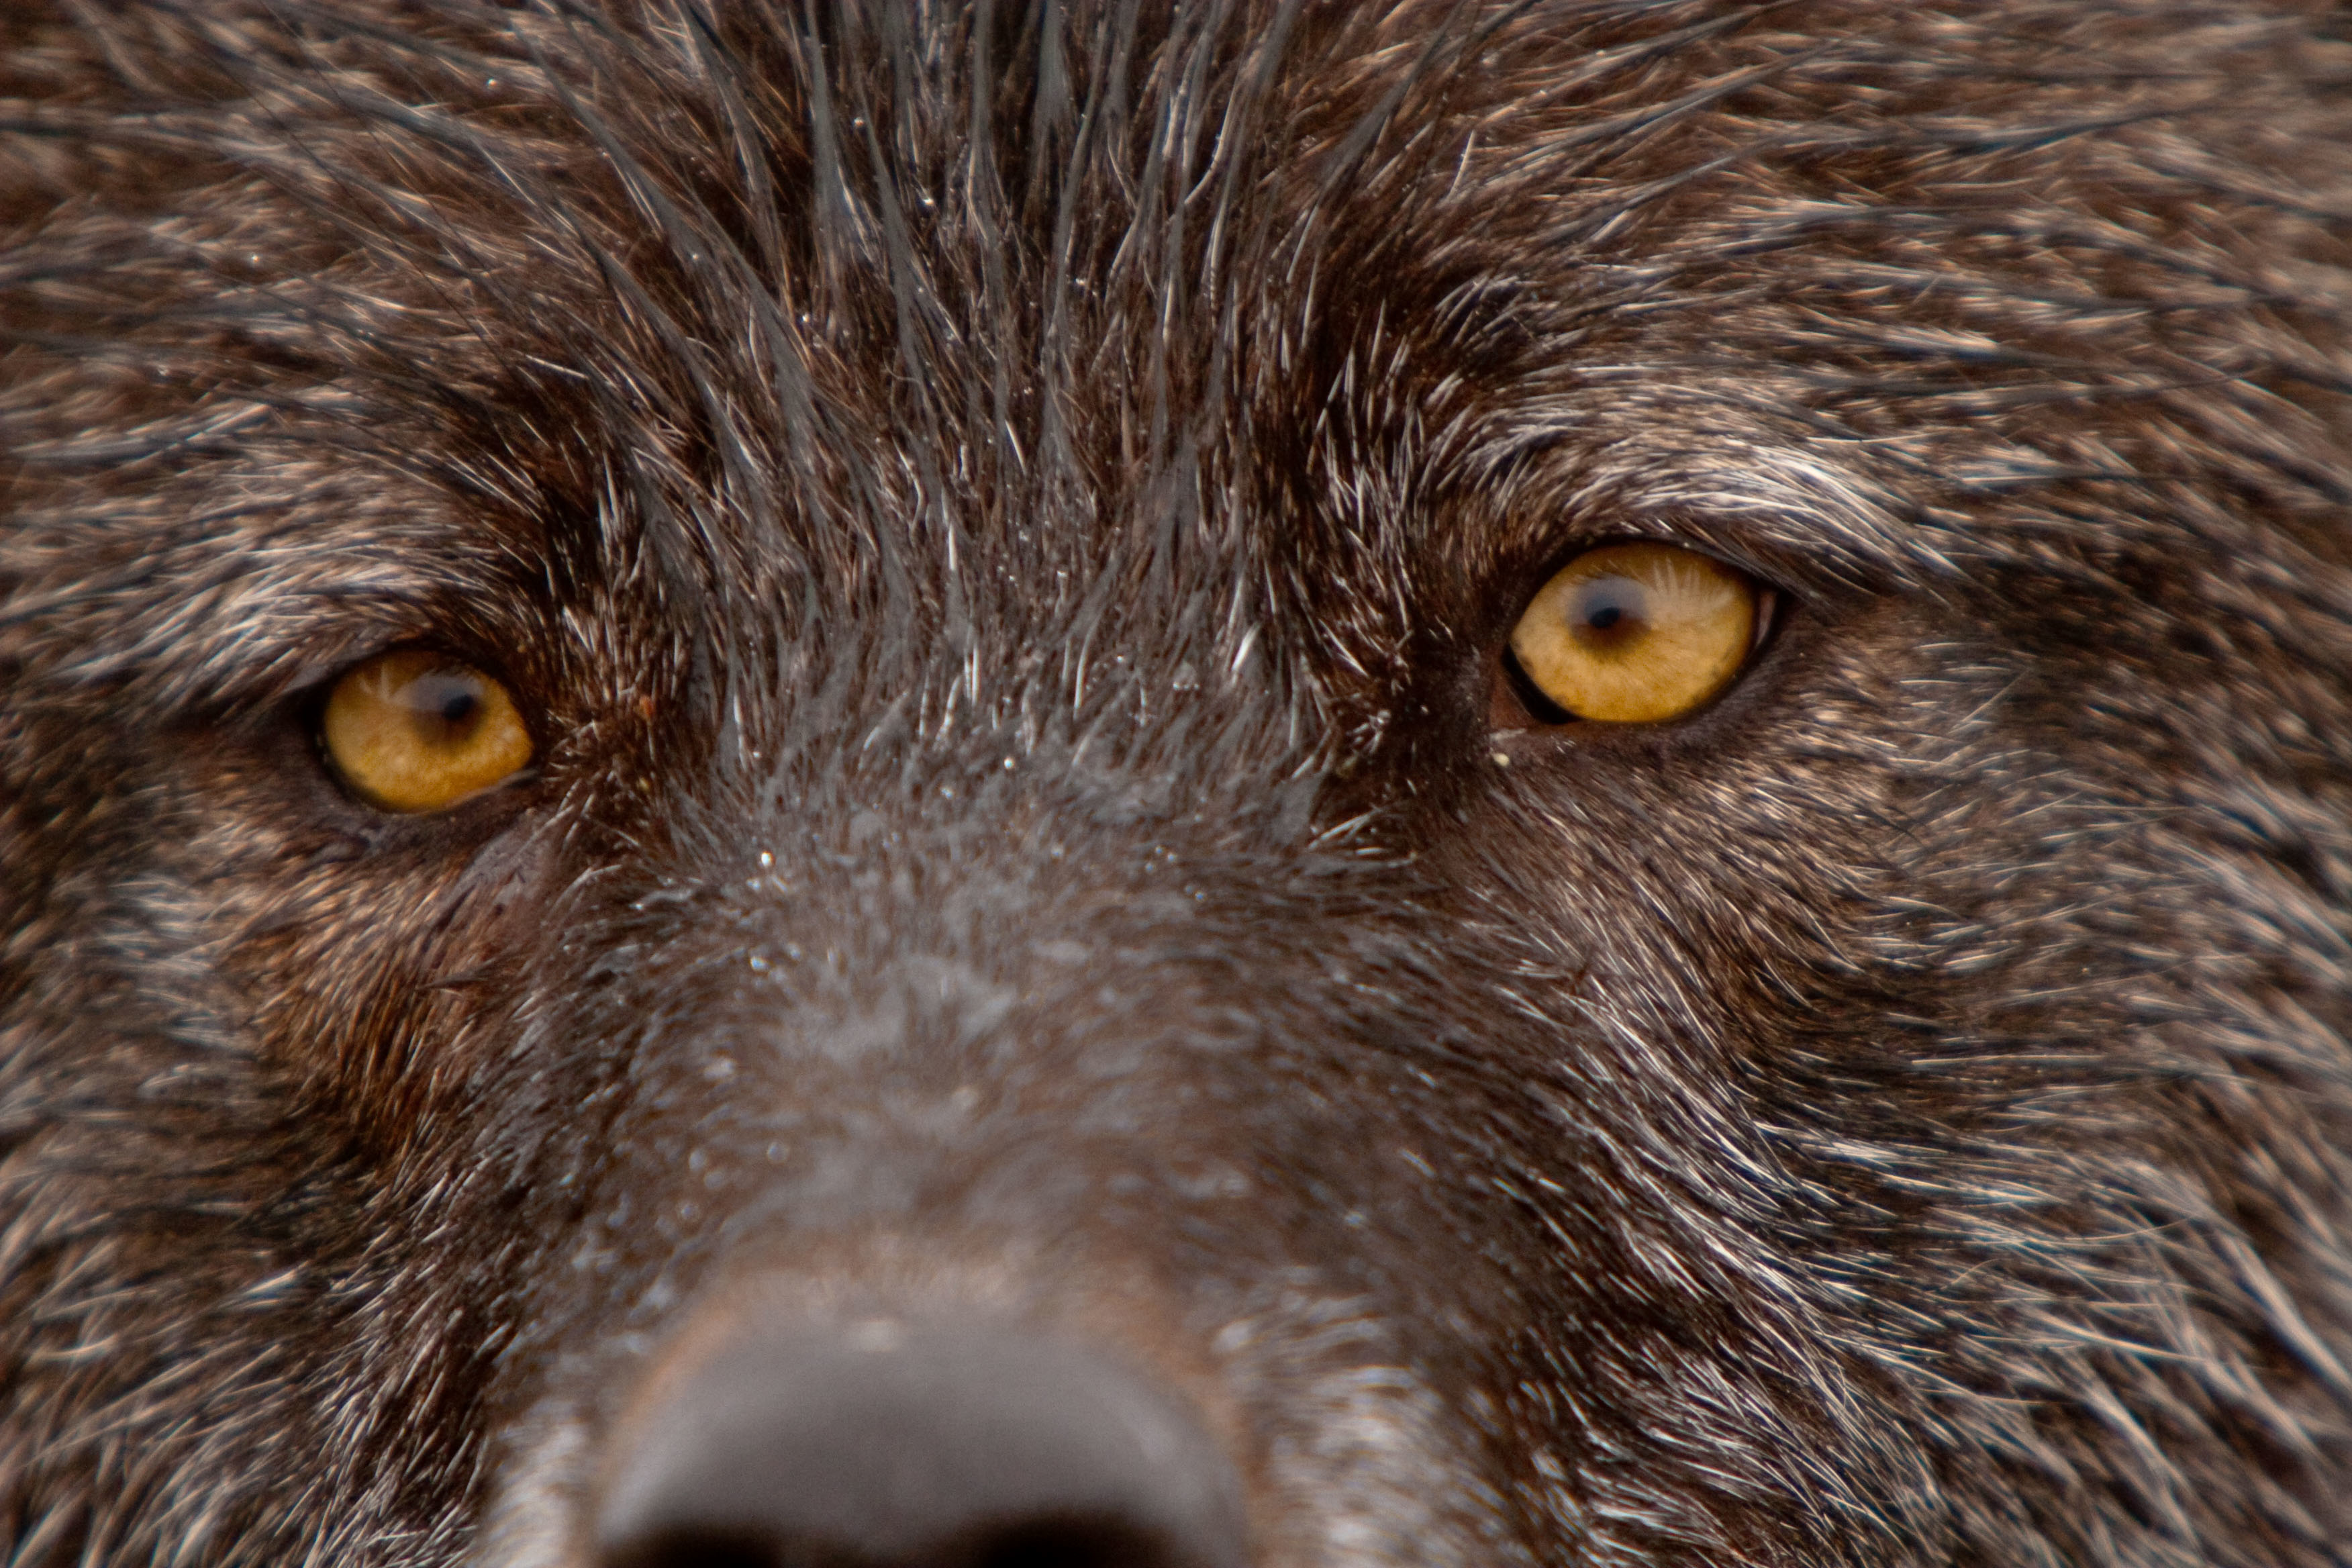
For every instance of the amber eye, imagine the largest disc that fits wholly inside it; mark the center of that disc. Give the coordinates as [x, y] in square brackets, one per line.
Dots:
[1636, 634]
[416, 730]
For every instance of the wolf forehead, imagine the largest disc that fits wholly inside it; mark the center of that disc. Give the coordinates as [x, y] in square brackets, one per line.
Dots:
[1335, 316]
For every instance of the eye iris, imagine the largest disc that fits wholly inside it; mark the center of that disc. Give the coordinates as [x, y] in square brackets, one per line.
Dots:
[416, 731]
[1636, 633]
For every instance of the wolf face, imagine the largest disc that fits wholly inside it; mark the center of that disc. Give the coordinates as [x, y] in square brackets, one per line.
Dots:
[1185, 784]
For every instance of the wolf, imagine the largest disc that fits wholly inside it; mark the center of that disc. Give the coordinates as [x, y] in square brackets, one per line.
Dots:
[1176, 783]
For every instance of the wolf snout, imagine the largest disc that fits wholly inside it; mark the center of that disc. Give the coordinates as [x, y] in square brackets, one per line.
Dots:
[887, 1445]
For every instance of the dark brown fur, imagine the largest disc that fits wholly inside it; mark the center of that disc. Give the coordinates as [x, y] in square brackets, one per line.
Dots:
[1003, 517]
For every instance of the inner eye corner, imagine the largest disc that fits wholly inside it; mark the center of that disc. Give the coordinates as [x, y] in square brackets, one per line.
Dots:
[1515, 701]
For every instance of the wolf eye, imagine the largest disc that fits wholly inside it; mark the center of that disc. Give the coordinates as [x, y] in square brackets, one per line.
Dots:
[416, 730]
[1636, 634]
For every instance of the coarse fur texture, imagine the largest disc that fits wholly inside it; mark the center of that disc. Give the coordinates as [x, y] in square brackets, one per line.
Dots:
[1003, 517]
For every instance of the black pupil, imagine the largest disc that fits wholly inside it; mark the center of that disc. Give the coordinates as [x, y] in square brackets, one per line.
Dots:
[1609, 604]
[446, 701]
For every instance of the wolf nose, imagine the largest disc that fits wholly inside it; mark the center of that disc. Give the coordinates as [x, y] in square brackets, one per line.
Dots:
[883, 1447]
